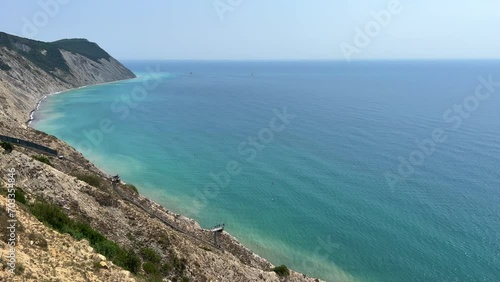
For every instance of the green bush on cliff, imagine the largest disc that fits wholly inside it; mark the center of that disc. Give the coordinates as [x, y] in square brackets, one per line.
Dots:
[150, 255]
[179, 265]
[53, 216]
[42, 159]
[20, 197]
[90, 179]
[129, 260]
[19, 269]
[4, 66]
[150, 268]
[132, 188]
[281, 270]
[7, 146]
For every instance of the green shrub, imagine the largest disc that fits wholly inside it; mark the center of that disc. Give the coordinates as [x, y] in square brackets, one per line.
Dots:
[81, 230]
[129, 260]
[150, 255]
[90, 179]
[164, 241]
[20, 197]
[150, 268]
[107, 248]
[178, 264]
[154, 278]
[53, 216]
[3, 263]
[281, 270]
[132, 188]
[4, 66]
[7, 146]
[165, 269]
[19, 269]
[42, 159]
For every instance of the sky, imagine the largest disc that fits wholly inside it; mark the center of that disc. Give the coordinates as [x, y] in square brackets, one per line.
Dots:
[266, 29]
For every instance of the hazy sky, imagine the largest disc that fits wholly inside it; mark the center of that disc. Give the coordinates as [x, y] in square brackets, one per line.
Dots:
[265, 29]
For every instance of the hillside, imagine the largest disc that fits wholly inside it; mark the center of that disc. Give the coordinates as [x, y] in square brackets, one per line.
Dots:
[73, 224]
[83, 47]
[30, 69]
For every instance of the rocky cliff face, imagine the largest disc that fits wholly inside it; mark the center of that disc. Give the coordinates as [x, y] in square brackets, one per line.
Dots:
[45, 255]
[85, 194]
[30, 69]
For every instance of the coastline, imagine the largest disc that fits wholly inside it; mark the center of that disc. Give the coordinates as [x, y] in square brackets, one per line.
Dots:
[31, 116]
[32, 112]
[192, 226]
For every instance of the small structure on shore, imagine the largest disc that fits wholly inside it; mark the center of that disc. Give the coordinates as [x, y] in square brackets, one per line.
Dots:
[115, 180]
[217, 229]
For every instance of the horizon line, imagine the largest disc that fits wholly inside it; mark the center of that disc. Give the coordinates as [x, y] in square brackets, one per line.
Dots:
[321, 60]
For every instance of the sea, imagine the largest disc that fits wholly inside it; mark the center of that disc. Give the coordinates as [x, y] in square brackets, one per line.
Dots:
[360, 171]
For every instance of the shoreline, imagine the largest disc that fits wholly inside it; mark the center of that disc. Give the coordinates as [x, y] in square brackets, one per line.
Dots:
[33, 111]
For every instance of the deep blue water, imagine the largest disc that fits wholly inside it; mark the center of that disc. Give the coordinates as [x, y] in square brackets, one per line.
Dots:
[312, 194]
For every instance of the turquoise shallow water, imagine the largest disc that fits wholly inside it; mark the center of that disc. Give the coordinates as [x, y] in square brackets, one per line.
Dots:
[315, 196]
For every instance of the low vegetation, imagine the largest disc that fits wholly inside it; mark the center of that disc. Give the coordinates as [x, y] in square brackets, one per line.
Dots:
[53, 216]
[7, 146]
[19, 269]
[90, 179]
[155, 269]
[150, 268]
[150, 255]
[83, 47]
[4, 66]
[164, 241]
[132, 188]
[3, 264]
[20, 197]
[43, 159]
[19, 194]
[44, 55]
[281, 270]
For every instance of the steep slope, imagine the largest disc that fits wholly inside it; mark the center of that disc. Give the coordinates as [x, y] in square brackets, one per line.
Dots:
[43, 254]
[30, 69]
[130, 226]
